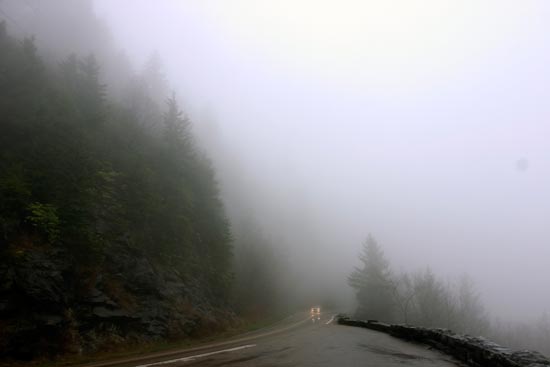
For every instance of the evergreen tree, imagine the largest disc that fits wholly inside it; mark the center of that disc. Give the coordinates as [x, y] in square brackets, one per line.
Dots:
[92, 91]
[177, 133]
[372, 283]
[83, 86]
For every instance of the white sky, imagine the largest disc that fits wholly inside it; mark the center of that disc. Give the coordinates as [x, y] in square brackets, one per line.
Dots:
[402, 118]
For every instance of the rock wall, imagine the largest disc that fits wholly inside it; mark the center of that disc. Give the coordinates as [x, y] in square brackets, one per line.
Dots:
[50, 304]
[474, 351]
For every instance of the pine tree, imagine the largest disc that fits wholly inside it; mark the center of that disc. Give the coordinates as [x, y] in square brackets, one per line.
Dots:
[177, 127]
[92, 91]
[372, 283]
[82, 85]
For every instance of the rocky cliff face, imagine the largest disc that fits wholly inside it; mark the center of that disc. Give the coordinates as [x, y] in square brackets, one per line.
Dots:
[50, 304]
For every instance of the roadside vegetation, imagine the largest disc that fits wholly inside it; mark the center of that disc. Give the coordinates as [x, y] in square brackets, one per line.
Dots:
[423, 299]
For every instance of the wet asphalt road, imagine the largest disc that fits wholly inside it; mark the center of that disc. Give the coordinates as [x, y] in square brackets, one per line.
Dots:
[319, 343]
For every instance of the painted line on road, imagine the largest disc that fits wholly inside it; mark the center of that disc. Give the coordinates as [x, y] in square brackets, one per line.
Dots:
[331, 320]
[191, 358]
[244, 338]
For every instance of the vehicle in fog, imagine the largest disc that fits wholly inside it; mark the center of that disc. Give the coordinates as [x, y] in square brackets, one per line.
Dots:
[315, 313]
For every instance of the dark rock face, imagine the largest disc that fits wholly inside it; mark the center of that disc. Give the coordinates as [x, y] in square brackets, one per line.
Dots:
[475, 351]
[33, 303]
[50, 306]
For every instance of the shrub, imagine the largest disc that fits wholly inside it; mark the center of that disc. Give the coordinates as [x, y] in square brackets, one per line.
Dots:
[44, 218]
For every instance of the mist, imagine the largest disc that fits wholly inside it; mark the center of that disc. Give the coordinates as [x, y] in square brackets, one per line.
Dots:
[408, 129]
[424, 124]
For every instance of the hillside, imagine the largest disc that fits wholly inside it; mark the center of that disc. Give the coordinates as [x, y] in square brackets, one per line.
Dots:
[112, 228]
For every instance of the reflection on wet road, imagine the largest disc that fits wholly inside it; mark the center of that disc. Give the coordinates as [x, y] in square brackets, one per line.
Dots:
[321, 342]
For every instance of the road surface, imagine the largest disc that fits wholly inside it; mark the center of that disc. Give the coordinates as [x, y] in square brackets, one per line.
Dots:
[318, 342]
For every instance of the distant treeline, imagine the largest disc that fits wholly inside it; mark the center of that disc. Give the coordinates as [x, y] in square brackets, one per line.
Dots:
[423, 299]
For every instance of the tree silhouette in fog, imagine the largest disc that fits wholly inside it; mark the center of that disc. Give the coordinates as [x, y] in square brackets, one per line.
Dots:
[372, 283]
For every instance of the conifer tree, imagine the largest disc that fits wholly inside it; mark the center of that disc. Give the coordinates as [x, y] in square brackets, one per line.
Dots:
[372, 283]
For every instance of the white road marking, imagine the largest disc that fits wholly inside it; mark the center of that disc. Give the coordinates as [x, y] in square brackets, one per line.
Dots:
[191, 358]
[331, 320]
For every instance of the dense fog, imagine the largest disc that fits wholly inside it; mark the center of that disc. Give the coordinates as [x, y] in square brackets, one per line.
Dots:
[424, 124]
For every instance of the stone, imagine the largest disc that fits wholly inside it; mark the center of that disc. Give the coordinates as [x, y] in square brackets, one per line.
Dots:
[476, 351]
[107, 313]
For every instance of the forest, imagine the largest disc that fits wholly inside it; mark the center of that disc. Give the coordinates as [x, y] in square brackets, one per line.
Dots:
[111, 216]
[83, 177]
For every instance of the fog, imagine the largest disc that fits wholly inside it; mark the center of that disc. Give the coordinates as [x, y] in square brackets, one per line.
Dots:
[423, 123]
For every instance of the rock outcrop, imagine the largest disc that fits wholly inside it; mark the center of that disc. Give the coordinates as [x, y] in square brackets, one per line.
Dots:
[49, 305]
